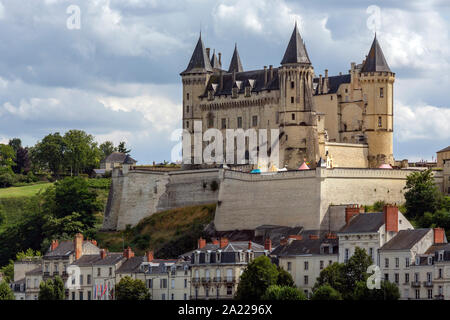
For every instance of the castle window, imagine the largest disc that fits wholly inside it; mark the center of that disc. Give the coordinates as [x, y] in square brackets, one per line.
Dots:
[381, 93]
[239, 122]
[293, 116]
[187, 96]
[254, 121]
[379, 122]
[277, 117]
[292, 84]
[187, 108]
[292, 99]
[234, 92]
[247, 91]
[224, 123]
[187, 124]
[331, 97]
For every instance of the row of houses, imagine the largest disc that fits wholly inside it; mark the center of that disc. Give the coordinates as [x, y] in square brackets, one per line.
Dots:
[417, 260]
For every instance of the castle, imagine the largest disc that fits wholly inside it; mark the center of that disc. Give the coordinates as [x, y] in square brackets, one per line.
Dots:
[346, 119]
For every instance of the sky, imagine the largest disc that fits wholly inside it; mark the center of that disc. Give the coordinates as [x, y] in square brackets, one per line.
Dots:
[114, 72]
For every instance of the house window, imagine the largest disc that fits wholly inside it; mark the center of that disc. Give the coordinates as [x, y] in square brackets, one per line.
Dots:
[163, 284]
[150, 283]
[305, 279]
[440, 273]
[379, 122]
[306, 265]
[185, 283]
[172, 284]
[88, 279]
[81, 295]
[239, 122]
[371, 253]
[417, 294]
[89, 295]
[386, 262]
[406, 277]
[416, 277]
[430, 293]
[254, 121]
[406, 262]
[381, 92]
[55, 268]
[224, 123]
[98, 272]
[110, 271]
[73, 295]
[292, 99]
[185, 296]
[441, 254]
[397, 262]
[289, 266]
[346, 255]
[292, 84]
[163, 296]
[396, 278]
[321, 264]
[293, 116]
[81, 279]
[430, 260]
[429, 276]
[386, 277]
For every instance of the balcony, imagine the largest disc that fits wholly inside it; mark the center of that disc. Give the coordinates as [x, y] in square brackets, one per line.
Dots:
[217, 279]
[415, 284]
[47, 274]
[55, 273]
[195, 280]
[206, 280]
[428, 284]
[230, 280]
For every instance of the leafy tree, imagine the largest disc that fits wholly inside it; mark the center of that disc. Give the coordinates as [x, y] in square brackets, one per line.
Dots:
[22, 160]
[8, 271]
[355, 270]
[333, 276]
[122, 148]
[28, 254]
[276, 292]
[106, 148]
[15, 143]
[387, 291]
[65, 227]
[7, 156]
[131, 289]
[260, 274]
[284, 278]
[81, 151]
[49, 153]
[421, 194]
[5, 291]
[326, 292]
[52, 289]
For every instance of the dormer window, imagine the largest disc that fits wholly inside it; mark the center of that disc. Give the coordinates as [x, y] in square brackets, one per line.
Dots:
[248, 91]
[430, 261]
[211, 95]
[234, 92]
[417, 261]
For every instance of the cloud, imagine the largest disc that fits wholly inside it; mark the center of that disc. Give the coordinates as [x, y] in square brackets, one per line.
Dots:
[2, 10]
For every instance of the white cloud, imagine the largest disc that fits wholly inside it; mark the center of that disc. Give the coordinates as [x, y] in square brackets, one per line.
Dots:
[421, 122]
[2, 11]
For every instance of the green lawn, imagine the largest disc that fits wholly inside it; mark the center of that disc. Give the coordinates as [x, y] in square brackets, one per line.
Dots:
[19, 192]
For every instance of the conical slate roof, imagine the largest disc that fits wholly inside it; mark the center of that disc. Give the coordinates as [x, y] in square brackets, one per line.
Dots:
[215, 62]
[296, 50]
[375, 59]
[235, 64]
[199, 60]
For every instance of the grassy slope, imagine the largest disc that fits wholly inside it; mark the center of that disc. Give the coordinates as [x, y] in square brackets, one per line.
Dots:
[20, 192]
[169, 232]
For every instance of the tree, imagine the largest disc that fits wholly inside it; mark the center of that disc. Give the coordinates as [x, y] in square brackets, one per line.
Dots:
[132, 289]
[260, 274]
[326, 292]
[333, 276]
[355, 270]
[51, 289]
[15, 143]
[81, 152]
[421, 195]
[8, 271]
[22, 160]
[5, 291]
[122, 148]
[387, 291]
[276, 292]
[284, 278]
[106, 148]
[49, 153]
[7, 156]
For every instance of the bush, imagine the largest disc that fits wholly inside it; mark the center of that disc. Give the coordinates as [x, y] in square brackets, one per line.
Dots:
[7, 179]
[326, 292]
[283, 293]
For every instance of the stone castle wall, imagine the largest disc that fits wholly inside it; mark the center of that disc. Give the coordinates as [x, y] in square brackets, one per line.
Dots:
[246, 201]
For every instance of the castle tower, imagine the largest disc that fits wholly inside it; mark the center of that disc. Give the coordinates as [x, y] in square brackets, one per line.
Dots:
[235, 64]
[195, 79]
[377, 82]
[298, 121]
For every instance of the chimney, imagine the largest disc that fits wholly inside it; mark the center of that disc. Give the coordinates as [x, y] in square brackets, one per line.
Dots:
[314, 237]
[439, 235]
[102, 254]
[295, 237]
[249, 244]
[350, 212]
[270, 73]
[149, 255]
[223, 242]
[54, 245]
[265, 76]
[215, 241]
[268, 244]
[220, 58]
[391, 217]
[78, 244]
[128, 253]
[208, 51]
[94, 242]
[320, 84]
[325, 82]
[201, 243]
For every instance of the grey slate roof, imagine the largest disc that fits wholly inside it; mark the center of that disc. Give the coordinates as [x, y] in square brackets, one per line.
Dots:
[307, 246]
[131, 265]
[334, 82]
[375, 59]
[364, 222]
[444, 150]
[199, 61]
[96, 260]
[405, 239]
[120, 157]
[235, 64]
[296, 50]
[65, 248]
[215, 62]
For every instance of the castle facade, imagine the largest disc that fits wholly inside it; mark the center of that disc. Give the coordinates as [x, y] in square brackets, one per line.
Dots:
[346, 120]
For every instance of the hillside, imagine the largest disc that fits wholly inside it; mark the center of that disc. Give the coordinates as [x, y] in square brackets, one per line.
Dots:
[26, 191]
[169, 233]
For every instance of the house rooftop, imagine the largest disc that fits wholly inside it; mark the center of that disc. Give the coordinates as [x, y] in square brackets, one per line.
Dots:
[364, 223]
[405, 239]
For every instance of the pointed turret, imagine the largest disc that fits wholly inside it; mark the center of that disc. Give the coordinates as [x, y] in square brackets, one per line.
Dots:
[296, 50]
[215, 62]
[375, 60]
[199, 61]
[235, 64]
